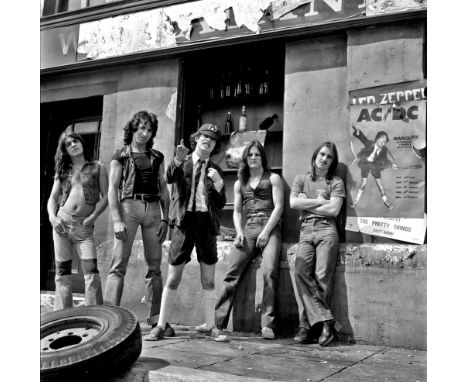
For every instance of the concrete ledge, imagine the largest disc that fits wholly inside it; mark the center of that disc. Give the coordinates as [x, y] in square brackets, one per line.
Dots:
[185, 374]
[379, 294]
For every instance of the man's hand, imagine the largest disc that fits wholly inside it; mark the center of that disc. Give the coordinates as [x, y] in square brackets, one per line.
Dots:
[181, 151]
[239, 240]
[120, 231]
[216, 178]
[58, 225]
[214, 175]
[262, 239]
[162, 231]
[302, 196]
[89, 221]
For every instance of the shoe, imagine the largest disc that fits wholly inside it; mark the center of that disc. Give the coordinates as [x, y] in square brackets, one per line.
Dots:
[303, 336]
[388, 205]
[156, 334]
[169, 331]
[201, 328]
[217, 334]
[268, 334]
[327, 333]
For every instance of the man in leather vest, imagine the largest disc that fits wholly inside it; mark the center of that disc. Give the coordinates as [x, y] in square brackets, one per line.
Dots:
[138, 197]
[79, 194]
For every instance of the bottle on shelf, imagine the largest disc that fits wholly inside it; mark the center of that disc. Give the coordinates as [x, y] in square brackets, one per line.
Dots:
[264, 87]
[211, 91]
[221, 87]
[239, 90]
[247, 83]
[243, 120]
[228, 128]
[228, 88]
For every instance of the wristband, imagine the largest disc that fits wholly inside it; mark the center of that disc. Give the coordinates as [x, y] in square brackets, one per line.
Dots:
[164, 220]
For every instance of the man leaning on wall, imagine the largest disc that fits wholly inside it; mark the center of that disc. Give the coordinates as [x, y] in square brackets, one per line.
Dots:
[138, 195]
[318, 195]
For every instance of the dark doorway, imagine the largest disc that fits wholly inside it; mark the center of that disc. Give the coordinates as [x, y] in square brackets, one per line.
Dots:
[83, 116]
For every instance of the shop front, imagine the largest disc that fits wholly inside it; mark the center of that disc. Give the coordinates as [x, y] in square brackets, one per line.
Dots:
[303, 72]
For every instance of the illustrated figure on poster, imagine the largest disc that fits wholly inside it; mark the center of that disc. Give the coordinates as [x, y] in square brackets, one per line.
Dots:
[198, 196]
[138, 197]
[318, 195]
[79, 193]
[258, 193]
[373, 159]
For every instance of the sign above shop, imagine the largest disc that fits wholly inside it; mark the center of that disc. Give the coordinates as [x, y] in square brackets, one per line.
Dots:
[186, 23]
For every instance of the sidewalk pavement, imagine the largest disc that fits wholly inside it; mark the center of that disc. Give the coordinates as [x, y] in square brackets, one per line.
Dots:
[189, 356]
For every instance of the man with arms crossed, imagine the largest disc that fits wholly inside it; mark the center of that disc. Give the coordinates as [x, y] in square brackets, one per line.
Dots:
[318, 195]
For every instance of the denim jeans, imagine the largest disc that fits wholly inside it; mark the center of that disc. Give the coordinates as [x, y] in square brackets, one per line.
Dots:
[82, 239]
[239, 260]
[137, 213]
[315, 269]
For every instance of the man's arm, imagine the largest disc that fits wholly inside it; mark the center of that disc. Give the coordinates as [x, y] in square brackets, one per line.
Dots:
[216, 190]
[164, 193]
[237, 215]
[332, 208]
[52, 204]
[278, 202]
[298, 201]
[175, 170]
[120, 229]
[164, 201]
[102, 204]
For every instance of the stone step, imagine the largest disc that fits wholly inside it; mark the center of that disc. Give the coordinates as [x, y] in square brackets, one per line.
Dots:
[186, 374]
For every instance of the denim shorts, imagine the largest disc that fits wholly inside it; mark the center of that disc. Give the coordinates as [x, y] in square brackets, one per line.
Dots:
[76, 235]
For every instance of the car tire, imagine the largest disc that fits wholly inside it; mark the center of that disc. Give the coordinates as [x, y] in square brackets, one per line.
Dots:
[88, 341]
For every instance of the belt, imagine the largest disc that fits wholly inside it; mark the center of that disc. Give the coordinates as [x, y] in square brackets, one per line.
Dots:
[258, 215]
[312, 218]
[149, 198]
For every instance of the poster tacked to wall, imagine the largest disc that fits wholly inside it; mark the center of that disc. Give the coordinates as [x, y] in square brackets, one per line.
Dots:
[387, 175]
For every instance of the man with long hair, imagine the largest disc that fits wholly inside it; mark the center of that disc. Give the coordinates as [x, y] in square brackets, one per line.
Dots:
[198, 195]
[138, 196]
[373, 159]
[318, 195]
[258, 193]
[78, 197]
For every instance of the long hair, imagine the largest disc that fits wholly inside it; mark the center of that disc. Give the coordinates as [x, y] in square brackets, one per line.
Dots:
[193, 143]
[132, 126]
[63, 163]
[332, 169]
[244, 172]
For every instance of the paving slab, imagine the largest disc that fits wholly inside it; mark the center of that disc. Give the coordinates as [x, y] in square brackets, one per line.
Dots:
[347, 354]
[367, 371]
[182, 374]
[399, 355]
[275, 368]
[191, 356]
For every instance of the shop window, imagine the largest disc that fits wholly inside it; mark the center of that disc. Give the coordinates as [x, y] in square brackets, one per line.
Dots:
[229, 80]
